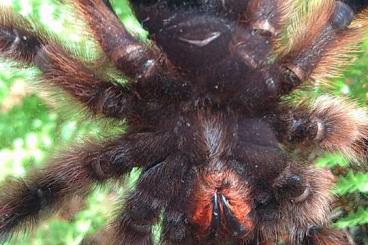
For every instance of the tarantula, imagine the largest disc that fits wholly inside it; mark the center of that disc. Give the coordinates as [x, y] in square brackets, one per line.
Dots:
[208, 122]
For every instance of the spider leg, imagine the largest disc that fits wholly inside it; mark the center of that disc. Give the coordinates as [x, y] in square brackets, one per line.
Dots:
[325, 236]
[259, 29]
[175, 227]
[24, 201]
[318, 46]
[155, 189]
[21, 42]
[129, 55]
[304, 191]
[99, 96]
[328, 123]
[108, 4]
[100, 237]
[357, 5]
[256, 241]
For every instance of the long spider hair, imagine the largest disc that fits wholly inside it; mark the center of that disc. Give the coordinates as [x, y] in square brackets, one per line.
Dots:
[208, 123]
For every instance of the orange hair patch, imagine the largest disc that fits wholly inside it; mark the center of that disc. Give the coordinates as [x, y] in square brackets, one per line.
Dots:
[235, 197]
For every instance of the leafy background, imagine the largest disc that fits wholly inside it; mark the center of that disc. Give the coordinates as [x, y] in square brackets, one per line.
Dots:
[32, 127]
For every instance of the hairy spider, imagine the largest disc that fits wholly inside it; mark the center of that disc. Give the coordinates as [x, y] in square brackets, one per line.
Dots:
[207, 120]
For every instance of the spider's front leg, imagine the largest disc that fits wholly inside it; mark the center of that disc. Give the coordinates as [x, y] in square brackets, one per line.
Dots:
[24, 201]
[23, 42]
[326, 236]
[158, 186]
[304, 198]
[175, 227]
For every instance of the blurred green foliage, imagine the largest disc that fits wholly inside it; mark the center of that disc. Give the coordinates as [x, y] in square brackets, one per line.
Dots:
[32, 128]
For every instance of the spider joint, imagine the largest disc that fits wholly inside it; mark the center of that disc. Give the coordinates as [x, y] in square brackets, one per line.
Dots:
[342, 16]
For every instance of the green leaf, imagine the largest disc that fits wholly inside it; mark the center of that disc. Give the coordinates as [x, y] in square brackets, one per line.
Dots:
[359, 217]
[352, 182]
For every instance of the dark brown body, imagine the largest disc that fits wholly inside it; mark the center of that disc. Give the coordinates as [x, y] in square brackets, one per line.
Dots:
[209, 124]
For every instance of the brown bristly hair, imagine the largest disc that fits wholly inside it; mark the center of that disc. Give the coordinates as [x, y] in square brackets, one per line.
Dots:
[308, 20]
[341, 50]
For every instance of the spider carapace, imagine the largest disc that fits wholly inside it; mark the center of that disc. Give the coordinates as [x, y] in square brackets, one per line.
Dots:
[214, 122]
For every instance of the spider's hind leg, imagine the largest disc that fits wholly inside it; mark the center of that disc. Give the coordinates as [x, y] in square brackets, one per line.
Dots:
[108, 4]
[263, 21]
[320, 44]
[357, 5]
[27, 44]
[131, 56]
